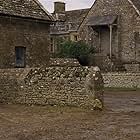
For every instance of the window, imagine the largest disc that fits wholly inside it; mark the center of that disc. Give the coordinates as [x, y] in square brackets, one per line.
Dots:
[52, 46]
[75, 38]
[20, 56]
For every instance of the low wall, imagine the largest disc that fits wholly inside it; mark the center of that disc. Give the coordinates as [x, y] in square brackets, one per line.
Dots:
[51, 85]
[67, 62]
[132, 67]
[56, 85]
[10, 82]
[122, 80]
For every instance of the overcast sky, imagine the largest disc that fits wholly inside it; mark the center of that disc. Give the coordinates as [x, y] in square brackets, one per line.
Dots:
[70, 4]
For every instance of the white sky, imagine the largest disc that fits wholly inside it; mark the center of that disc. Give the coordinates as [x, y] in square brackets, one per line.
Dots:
[70, 4]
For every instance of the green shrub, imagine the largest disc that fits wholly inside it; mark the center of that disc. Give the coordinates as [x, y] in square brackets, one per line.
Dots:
[78, 50]
[71, 49]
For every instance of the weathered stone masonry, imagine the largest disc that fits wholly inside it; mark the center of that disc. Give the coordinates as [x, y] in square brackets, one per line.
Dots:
[125, 34]
[51, 85]
[56, 85]
[32, 35]
[122, 80]
[24, 34]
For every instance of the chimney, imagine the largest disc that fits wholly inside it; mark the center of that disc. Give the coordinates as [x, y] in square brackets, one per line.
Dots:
[59, 7]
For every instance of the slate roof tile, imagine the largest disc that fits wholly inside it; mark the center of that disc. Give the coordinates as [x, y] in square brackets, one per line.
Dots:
[24, 8]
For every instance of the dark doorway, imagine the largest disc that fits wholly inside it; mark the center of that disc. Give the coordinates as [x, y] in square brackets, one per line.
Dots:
[20, 52]
[105, 40]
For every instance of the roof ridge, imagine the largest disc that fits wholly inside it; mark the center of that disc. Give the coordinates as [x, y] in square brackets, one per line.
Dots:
[78, 9]
[25, 8]
[42, 7]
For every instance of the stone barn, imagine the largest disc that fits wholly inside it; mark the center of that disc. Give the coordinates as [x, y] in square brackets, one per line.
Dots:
[24, 34]
[113, 29]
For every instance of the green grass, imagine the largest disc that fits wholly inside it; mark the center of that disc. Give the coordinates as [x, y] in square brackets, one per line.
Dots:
[121, 89]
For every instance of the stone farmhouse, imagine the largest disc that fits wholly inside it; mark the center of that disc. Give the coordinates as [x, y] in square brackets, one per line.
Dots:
[28, 33]
[113, 29]
[24, 34]
[66, 25]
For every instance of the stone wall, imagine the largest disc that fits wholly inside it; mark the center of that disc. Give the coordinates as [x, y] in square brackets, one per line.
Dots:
[122, 80]
[132, 67]
[64, 62]
[28, 33]
[51, 85]
[56, 85]
[11, 81]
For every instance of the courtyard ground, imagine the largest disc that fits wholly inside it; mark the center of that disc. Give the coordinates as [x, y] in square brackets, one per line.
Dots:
[119, 121]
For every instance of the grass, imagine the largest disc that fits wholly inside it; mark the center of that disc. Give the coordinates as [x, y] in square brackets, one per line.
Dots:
[121, 89]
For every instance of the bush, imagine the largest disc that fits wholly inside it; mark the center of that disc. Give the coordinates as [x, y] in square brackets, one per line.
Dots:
[78, 50]
[71, 49]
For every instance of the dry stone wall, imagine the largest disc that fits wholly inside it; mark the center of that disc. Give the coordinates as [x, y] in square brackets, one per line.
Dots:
[10, 82]
[42, 86]
[132, 67]
[122, 80]
[71, 62]
[56, 85]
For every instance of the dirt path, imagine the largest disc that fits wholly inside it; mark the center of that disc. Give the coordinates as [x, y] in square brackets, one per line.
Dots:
[119, 121]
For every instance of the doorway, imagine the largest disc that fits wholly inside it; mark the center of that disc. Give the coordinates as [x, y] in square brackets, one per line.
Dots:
[105, 40]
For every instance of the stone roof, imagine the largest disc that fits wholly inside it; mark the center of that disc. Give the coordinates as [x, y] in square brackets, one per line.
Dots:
[101, 20]
[76, 15]
[69, 21]
[24, 8]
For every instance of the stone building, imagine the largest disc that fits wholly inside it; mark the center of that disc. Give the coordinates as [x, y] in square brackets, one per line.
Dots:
[66, 25]
[24, 33]
[113, 28]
